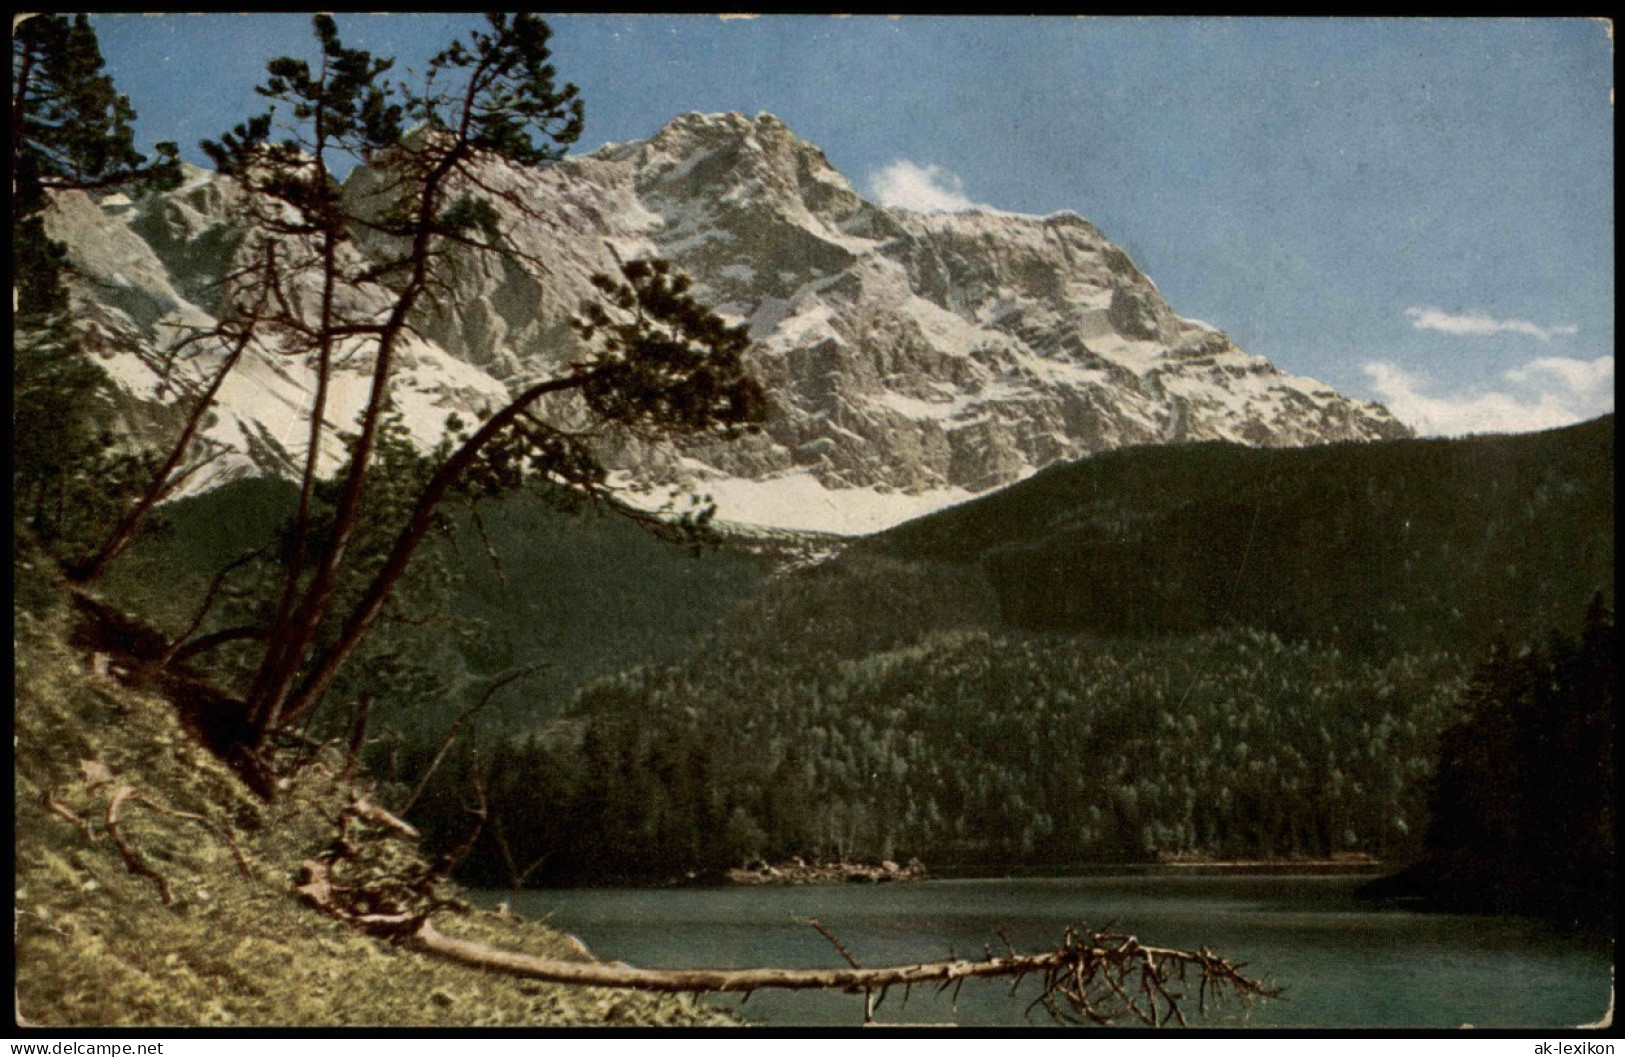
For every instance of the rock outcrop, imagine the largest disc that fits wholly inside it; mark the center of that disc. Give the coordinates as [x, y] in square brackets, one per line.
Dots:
[913, 360]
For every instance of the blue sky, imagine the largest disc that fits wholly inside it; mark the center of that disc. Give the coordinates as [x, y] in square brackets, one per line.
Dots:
[1415, 211]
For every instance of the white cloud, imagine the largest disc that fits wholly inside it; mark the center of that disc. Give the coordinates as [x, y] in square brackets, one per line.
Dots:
[1586, 379]
[1478, 325]
[931, 189]
[1542, 394]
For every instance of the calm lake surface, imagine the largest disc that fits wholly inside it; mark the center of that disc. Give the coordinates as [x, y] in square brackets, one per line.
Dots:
[1341, 962]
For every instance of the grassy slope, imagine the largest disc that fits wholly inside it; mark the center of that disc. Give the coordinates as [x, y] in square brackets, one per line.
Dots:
[95, 945]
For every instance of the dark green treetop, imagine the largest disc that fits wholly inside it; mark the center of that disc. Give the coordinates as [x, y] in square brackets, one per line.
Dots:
[70, 130]
[69, 127]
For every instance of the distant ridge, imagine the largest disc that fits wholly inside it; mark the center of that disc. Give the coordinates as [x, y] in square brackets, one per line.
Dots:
[1402, 545]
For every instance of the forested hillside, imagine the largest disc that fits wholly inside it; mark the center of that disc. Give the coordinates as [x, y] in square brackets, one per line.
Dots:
[1200, 650]
[1378, 548]
[1524, 800]
[979, 750]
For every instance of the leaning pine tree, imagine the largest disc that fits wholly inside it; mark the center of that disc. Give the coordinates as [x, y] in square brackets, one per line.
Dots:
[658, 363]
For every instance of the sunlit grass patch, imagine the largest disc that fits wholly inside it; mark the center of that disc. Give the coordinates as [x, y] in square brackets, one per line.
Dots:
[97, 945]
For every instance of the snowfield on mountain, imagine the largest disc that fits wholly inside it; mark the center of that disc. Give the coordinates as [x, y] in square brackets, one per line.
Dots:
[913, 360]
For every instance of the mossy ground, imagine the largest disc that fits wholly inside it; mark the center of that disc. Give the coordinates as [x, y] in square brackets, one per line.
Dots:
[96, 945]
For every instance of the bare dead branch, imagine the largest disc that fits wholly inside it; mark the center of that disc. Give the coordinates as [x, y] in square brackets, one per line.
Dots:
[215, 584]
[56, 807]
[517, 876]
[485, 543]
[480, 810]
[822, 931]
[358, 736]
[209, 824]
[134, 861]
[165, 480]
[457, 724]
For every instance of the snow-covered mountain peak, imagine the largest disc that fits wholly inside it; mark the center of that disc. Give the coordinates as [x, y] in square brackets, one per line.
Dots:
[913, 359]
[694, 132]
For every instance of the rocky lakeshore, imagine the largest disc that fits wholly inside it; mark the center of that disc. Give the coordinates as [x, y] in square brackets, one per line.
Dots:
[1337, 862]
[800, 872]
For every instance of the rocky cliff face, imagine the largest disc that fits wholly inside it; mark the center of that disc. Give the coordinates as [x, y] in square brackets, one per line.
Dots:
[914, 360]
[148, 278]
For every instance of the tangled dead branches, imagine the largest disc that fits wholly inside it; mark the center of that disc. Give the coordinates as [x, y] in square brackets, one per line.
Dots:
[1104, 977]
[97, 777]
[371, 875]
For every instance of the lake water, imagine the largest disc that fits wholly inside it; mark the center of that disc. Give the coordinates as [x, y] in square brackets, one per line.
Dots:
[1342, 963]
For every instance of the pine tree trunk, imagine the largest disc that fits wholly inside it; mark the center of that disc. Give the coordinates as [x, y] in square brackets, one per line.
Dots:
[162, 481]
[367, 610]
[295, 636]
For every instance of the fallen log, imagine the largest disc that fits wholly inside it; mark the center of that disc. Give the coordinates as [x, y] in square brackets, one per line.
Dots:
[1092, 977]
[601, 974]
[1087, 975]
